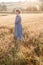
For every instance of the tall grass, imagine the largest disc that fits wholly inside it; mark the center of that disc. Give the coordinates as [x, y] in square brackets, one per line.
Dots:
[29, 51]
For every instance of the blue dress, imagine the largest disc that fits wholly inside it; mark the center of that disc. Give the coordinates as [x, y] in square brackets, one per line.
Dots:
[18, 27]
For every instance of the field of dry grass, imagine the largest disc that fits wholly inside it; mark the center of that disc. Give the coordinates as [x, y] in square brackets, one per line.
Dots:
[29, 51]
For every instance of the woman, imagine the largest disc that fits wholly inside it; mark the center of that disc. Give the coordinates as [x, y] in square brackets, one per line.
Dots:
[18, 26]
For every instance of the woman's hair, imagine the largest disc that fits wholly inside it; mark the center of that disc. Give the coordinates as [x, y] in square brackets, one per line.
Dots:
[18, 11]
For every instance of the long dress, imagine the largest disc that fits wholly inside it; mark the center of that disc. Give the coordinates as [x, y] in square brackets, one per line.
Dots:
[18, 27]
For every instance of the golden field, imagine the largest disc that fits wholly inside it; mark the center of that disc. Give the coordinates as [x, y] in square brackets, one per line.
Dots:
[29, 51]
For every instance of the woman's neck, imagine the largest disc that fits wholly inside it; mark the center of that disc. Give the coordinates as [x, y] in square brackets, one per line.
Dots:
[18, 15]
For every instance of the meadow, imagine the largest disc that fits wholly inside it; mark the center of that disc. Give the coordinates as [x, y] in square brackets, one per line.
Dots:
[29, 51]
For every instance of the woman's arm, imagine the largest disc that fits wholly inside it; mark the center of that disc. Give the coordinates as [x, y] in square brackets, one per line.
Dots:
[18, 20]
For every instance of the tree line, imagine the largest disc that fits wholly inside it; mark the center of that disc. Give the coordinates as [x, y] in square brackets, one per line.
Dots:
[4, 8]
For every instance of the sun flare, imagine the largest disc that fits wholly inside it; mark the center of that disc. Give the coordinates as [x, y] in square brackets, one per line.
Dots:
[17, 0]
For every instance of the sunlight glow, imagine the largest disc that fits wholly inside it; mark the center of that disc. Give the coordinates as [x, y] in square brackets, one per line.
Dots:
[16, 0]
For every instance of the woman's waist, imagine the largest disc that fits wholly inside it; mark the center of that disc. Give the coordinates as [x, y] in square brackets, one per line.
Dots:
[17, 23]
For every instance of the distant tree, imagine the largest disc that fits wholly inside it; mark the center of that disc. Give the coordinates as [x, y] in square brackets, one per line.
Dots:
[13, 10]
[29, 9]
[4, 8]
[0, 7]
[35, 9]
[41, 6]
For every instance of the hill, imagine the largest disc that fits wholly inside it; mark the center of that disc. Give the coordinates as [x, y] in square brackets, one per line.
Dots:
[20, 5]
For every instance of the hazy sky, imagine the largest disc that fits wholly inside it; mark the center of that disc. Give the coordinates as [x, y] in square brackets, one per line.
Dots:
[15, 0]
